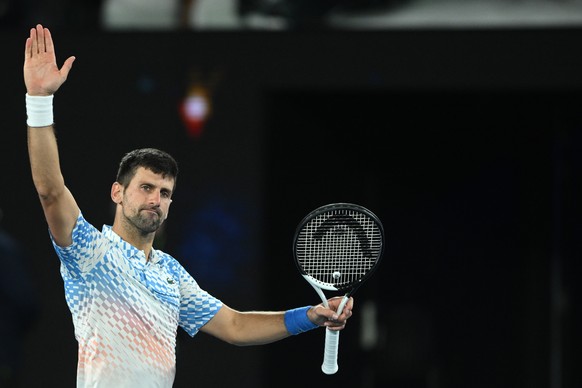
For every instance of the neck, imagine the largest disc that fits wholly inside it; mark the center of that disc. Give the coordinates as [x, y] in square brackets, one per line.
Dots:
[143, 242]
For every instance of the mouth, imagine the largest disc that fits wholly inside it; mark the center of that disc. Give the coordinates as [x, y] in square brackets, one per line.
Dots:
[152, 211]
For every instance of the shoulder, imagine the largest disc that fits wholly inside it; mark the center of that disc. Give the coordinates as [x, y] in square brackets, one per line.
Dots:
[83, 233]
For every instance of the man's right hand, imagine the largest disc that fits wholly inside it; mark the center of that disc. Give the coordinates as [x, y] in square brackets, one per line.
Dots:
[42, 76]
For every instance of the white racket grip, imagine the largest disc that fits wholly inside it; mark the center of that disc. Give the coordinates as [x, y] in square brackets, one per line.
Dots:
[329, 366]
[330, 352]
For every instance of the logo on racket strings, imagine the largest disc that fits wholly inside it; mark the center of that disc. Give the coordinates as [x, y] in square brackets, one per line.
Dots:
[337, 223]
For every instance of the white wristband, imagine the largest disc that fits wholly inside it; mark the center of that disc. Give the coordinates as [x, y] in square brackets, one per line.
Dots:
[39, 111]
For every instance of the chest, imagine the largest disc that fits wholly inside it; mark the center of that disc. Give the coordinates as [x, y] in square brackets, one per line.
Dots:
[139, 283]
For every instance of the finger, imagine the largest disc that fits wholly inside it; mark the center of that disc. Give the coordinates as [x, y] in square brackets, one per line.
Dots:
[326, 313]
[346, 315]
[350, 304]
[48, 41]
[335, 302]
[34, 43]
[334, 325]
[321, 310]
[40, 34]
[27, 48]
[332, 315]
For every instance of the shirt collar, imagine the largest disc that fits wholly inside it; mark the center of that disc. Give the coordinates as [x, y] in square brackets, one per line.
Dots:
[129, 250]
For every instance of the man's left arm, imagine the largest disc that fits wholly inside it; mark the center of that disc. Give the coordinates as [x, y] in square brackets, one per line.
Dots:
[262, 327]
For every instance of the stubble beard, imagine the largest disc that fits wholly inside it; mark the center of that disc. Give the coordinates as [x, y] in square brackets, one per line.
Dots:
[145, 222]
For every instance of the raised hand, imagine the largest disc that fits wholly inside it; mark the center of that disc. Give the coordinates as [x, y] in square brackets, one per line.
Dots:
[42, 76]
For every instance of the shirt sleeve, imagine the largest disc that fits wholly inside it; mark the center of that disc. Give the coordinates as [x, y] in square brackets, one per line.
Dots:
[196, 305]
[82, 254]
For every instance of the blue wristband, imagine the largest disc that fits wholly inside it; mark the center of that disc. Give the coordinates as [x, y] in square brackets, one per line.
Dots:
[297, 321]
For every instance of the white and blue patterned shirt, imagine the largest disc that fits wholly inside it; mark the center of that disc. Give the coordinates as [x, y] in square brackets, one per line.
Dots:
[126, 310]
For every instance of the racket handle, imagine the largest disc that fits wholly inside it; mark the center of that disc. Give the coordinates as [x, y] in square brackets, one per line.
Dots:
[330, 352]
[329, 365]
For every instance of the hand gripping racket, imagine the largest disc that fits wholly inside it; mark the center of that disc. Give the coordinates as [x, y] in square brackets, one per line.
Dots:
[336, 247]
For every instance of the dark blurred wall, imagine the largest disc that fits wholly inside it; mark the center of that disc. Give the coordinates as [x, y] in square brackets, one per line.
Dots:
[463, 142]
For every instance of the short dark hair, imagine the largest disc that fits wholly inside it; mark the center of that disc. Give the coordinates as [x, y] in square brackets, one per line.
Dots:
[153, 159]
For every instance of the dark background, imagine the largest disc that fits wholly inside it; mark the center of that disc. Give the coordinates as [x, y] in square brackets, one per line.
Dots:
[465, 143]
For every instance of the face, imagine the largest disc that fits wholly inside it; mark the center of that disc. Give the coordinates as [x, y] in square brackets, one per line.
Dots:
[145, 202]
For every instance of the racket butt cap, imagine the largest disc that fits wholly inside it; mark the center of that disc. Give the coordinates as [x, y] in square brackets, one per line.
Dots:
[329, 369]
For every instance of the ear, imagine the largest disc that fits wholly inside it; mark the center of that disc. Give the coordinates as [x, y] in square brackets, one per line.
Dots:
[116, 192]
[168, 212]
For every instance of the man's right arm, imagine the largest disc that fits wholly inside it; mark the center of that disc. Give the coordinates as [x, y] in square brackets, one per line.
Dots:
[42, 79]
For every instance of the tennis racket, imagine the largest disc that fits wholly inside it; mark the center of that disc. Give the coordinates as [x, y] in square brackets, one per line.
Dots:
[336, 247]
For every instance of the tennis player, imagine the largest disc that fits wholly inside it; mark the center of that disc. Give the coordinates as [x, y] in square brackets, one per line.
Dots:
[126, 298]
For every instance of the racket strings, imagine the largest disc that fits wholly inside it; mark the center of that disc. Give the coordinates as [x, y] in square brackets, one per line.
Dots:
[339, 248]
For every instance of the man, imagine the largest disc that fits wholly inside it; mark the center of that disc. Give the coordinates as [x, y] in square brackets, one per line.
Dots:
[126, 298]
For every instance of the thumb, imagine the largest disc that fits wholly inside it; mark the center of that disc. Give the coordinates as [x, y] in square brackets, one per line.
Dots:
[67, 66]
[327, 313]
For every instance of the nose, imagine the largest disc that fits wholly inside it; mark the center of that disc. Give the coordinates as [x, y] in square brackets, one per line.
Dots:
[155, 198]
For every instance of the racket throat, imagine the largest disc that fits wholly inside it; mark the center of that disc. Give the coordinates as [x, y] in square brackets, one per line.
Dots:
[319, 291]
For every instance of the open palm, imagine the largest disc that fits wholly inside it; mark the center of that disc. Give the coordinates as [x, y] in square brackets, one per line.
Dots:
[42, 76]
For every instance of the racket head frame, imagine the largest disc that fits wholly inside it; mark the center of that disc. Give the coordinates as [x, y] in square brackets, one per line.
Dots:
[349, 215]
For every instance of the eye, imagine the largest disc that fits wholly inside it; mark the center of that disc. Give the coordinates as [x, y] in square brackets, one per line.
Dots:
[146, 187]
[165, 194]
